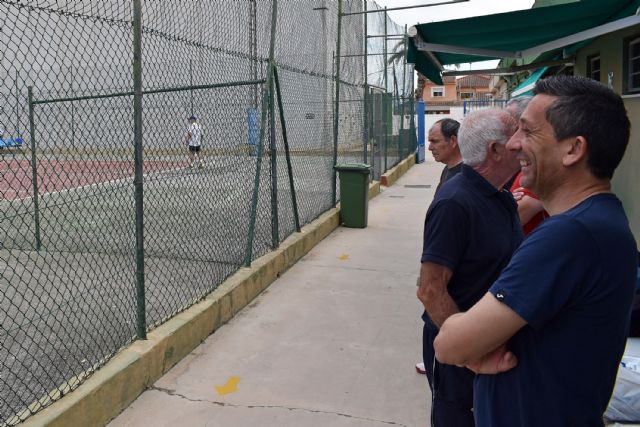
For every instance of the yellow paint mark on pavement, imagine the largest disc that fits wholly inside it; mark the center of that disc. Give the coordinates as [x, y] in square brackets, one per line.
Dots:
[230, 387]
[343, 257]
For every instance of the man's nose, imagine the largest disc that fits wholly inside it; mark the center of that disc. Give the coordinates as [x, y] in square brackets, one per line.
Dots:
[514, 143]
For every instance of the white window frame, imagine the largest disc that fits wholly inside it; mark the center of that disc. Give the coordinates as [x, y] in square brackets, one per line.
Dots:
[630, 72]
[435, 89]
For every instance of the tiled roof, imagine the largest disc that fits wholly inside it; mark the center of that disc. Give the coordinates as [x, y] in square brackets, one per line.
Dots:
[474, 80]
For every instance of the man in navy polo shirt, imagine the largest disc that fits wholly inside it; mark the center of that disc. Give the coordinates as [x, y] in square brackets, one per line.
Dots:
[548, 337]
[471, 230]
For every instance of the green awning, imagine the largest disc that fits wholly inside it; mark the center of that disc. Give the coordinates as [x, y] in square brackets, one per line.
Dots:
[526, 87]
[487, 37]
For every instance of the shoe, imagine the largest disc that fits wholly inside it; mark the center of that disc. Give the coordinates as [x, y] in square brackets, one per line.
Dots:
[420, 368]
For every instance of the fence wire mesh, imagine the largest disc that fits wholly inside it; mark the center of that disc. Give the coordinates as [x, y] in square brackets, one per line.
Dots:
[70, 254]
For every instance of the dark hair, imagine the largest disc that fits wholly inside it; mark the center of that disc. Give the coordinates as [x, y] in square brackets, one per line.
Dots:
[449, 127]
[589, 109]
[193, 118]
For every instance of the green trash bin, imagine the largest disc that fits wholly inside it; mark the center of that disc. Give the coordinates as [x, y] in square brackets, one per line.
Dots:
[354, 193]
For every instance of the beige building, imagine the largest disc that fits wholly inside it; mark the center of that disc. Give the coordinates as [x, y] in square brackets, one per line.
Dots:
[446, 92]
[499, 87]
[614, 59]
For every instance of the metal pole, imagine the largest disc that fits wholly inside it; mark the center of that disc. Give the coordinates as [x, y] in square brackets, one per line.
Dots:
[294, 201]
[275, 233]
[263, 119]
[138, 177]
[384, 51]
[385, 127]
[73, 110]
[34, 169]
[366, 85]
[412, 122]
[151, 91]
[337, 106]
[17, 105]
[404, 95]
[253, 50]
[386, 90]
[191, 85]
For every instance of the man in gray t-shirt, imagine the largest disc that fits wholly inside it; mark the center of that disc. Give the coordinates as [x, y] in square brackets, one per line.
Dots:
[193, 139]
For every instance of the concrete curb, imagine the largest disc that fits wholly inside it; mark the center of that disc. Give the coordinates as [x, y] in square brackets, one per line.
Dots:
[112, 388]
[392, 175]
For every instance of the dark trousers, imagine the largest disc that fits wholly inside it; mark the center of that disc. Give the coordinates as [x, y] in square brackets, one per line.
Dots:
[451, 386]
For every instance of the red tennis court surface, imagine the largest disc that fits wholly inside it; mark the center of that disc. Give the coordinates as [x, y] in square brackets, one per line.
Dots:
[58, 175]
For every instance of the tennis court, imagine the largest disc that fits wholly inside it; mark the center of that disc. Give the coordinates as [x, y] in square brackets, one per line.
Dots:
[106, 231]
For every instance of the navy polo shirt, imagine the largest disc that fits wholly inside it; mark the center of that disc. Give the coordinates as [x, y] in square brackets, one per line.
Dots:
[573, 281]
[473, 229]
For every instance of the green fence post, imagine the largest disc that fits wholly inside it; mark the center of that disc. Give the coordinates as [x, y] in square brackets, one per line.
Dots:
[365, 129]
[294, 200]
[263, 119]
[412, 122]
[385, 127]
[34, 169]
[138, 178]
[73, 110]
[17, 105]
[385, 107]
[191, 84]
[337, 106]
[404, 86]
[384, 51]
[275, 233]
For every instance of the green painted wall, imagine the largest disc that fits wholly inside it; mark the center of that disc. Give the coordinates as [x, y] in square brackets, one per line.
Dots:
[626, 181]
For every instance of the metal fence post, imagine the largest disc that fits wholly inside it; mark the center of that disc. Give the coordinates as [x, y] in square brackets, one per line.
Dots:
[73, 110]
[275, 233]
[138, 178]
[263, 119]
[402, 97]
[34, 170]
[337, 106]
[191, 84]
[385, 127]
[385, 107]
[365, 130]
[17, 103]
[294, 200]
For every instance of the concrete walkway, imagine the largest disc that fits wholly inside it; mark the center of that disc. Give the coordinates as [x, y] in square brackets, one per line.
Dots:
[333, 342]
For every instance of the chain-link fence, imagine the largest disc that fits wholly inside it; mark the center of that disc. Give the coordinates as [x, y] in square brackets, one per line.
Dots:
[110, 222]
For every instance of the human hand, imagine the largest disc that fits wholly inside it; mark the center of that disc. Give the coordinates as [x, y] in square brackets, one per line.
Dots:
[518, 194]
[495, 362]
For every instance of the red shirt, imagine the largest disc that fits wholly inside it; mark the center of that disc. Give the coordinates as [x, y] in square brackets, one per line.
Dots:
[537, 218]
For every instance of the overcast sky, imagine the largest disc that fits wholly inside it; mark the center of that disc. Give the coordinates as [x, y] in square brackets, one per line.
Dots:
[452, 11]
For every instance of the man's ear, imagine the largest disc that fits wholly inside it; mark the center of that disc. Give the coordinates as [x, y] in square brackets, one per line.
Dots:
[454, 140]
[495, 150]
[575, 150]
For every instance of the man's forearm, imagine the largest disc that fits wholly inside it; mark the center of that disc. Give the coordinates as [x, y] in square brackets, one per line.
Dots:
[440, 307]
[433, 294]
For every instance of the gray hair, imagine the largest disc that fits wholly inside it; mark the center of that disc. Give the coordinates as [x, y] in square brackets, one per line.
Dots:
[481, 128]
[516, 106]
